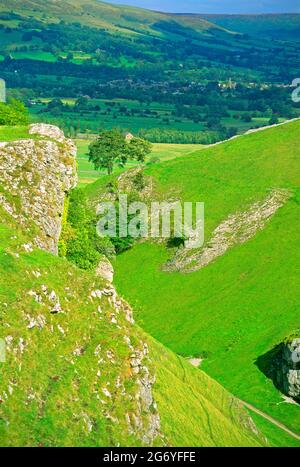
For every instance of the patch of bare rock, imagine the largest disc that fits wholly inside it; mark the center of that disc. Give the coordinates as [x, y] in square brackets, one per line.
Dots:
[238, 228]
[36, 174]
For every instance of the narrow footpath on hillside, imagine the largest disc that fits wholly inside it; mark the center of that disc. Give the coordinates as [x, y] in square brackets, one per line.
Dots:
[251, 407]
[270, 419]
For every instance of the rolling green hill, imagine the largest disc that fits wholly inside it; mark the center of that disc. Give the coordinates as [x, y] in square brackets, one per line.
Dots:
[125, 19]
[78, 371]
[56, 383]
[241, 305]
[285, 27]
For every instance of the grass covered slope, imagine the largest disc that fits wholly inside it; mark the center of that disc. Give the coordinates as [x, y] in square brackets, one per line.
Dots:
[124, 19]
[10, 133]
[195, 410]
[78, 372]
[67, 379]
[160, 152]
[284, 27]
[236, 309]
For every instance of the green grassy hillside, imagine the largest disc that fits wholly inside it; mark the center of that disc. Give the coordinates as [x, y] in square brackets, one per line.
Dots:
[160, 152]
[240, 306]
[94, 13]
[10, 133]
[53, 373]
[284, 27]
[69, 378]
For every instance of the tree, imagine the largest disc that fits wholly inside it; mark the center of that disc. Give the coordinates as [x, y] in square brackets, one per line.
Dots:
[13, 113]
[79, 241]
[139, 148]
[273, 120]
[81, 103]
[70, 57]
[212, 122]
[247, 118]
[108, 149]
[55, 103]
[111, 148]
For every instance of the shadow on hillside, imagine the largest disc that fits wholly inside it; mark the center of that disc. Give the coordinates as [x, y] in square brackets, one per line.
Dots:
[269, 364]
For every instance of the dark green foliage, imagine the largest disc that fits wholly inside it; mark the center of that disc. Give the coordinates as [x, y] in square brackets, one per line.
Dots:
[175, 242]
[138, 149]
[112, 148]
[162, 135]
[121, 244]
[139, 181]
[82, 244]
[273, 120]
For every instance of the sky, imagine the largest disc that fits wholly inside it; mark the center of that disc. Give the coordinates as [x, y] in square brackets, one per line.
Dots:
[216, 6]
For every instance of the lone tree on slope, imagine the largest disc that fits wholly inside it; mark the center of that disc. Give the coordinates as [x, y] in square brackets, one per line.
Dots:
[112, 148]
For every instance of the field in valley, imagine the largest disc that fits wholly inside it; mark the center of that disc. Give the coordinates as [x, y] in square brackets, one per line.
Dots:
[160, 152]
[150, 119]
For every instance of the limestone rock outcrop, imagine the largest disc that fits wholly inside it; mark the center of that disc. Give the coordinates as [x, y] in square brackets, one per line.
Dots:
[105, 269]
[238, 228]
[48, 131]
[290, 369]
[35, 176]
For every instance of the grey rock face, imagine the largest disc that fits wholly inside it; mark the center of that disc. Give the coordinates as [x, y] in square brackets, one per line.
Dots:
[291, 369]
[238, 228]
[35, 175]
[105, 270]
[146, 419]
[48, 131]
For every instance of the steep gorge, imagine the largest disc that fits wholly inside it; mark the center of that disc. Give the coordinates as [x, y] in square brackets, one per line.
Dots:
[78, 371]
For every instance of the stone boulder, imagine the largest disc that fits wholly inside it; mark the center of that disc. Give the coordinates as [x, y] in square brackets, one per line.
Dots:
[105, 270]
[48, 131]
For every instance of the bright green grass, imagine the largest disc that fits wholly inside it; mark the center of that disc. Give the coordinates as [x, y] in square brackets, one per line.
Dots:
[179, 389]
[167, 152]
[35, 55]
[57, 392]
[239, 307]
[164, 152]
[11, 133]
[275, 435]
[86, 171]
